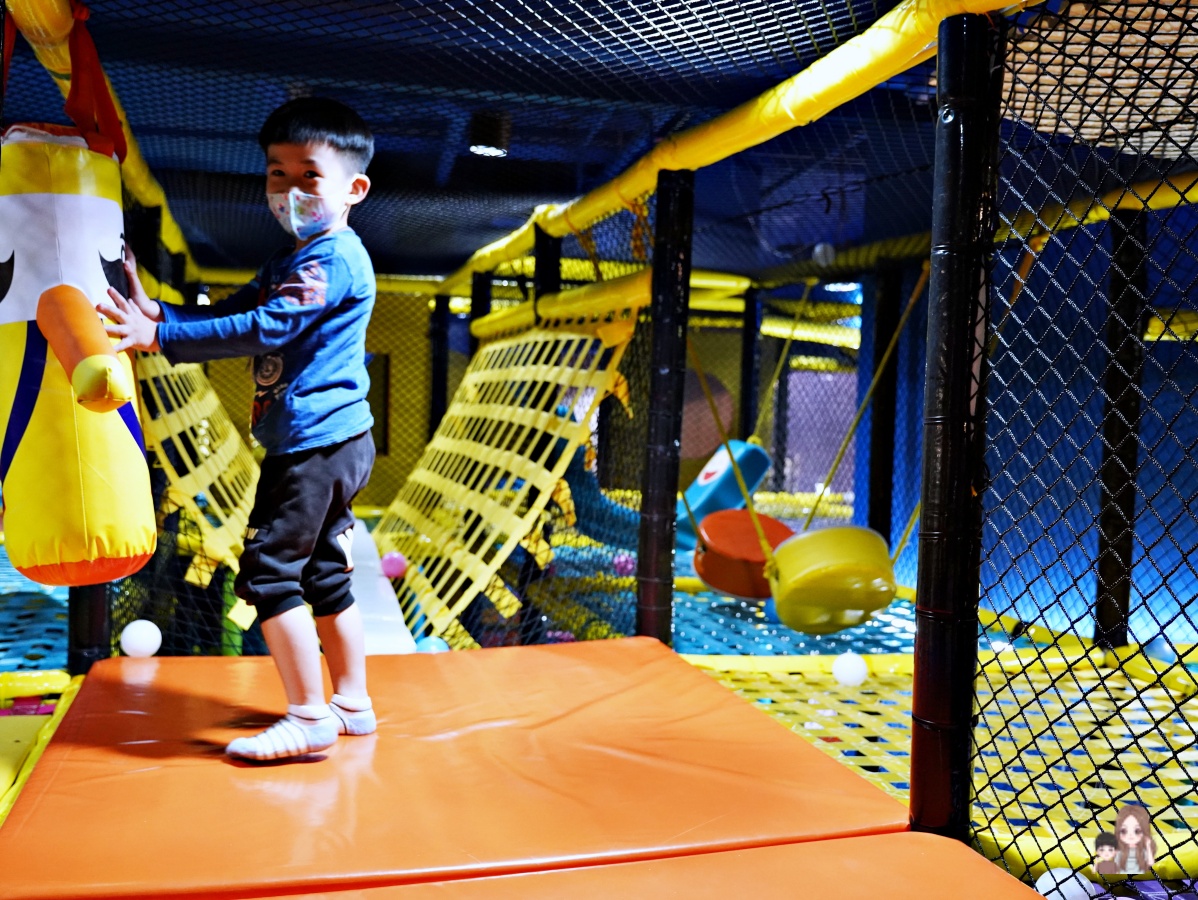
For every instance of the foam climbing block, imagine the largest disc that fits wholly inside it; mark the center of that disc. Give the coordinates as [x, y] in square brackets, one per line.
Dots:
[895, 866]
[485, 762]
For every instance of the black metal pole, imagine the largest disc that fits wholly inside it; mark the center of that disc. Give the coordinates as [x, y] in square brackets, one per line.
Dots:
[1127, 283]
[547, 279]
[605, 462]
[89, 636]
[438, 336]
[547, 250]
[963, 220]
[667, 377]
[750, 362]
[781, 427]
[480, 302]
[888, 288]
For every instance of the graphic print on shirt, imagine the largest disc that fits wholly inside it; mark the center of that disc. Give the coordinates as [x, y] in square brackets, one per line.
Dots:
[306, 286]
[268, 374]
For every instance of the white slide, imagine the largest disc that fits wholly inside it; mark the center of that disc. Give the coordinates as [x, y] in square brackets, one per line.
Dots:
[382, 621]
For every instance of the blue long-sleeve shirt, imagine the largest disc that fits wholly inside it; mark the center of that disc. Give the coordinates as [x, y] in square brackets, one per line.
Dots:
[303, 318]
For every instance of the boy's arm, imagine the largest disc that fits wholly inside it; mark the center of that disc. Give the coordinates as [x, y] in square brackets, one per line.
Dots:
[301, 299]
[242, 300]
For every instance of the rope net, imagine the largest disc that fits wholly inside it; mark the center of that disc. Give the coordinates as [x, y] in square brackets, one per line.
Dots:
[1090, 524]
[472, 517]
[203, 478]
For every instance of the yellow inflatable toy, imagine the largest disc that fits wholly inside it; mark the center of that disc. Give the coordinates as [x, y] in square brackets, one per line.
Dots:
[73, 474]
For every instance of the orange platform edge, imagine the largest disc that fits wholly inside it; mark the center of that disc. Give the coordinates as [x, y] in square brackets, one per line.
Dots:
[486, 762]
[902, 866]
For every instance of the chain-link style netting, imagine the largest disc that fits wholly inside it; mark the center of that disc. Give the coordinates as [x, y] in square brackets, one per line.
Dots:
[1090, 516]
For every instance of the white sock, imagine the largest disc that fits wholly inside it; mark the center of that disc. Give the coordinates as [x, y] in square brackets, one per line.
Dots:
[304, 730]
[354, 715]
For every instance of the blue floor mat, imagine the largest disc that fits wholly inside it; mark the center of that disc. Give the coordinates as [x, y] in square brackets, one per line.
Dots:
[33, 622]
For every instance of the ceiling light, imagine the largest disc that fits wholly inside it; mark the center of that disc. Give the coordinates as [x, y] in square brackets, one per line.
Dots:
[490, 133]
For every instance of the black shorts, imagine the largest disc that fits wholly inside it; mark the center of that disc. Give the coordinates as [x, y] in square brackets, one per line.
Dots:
[297, 543]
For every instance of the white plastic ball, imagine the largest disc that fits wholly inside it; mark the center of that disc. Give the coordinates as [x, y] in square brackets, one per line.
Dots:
[823, 254]
[141, 638]
[1065, 884]
[850, 669]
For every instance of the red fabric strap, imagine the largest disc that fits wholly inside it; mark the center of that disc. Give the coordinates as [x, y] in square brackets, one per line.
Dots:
[10, 38]
[89, 103]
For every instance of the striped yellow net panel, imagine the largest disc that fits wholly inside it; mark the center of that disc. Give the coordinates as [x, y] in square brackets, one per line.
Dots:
[481, 488]
[210, 472]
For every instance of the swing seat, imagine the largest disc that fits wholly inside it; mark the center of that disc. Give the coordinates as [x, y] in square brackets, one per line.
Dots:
[729, 558]
[831, 579]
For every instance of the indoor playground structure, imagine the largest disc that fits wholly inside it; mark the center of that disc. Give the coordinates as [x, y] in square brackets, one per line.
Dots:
[786, 419]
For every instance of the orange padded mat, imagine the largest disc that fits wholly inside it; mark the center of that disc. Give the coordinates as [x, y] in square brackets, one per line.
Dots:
[890, 866]
[485, 762]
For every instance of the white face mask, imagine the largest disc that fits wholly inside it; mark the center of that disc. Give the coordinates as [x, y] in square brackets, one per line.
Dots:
[302, 215]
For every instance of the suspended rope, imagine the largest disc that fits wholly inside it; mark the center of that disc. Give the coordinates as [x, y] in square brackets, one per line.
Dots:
[783, 358]
[844, 445]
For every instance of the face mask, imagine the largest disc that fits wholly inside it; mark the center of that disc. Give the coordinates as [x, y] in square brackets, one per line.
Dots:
[302, 215]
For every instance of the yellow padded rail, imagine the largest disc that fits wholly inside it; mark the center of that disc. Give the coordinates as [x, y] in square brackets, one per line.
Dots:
[45, 731]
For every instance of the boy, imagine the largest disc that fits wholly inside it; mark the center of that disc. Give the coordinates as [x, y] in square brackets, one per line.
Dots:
[303, 319]
[1105, 847]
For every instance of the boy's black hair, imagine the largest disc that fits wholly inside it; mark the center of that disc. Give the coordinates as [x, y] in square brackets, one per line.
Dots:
[1106, 840]
[319, 120]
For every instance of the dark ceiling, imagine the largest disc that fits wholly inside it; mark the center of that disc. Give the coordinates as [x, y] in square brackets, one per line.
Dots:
[589, 86]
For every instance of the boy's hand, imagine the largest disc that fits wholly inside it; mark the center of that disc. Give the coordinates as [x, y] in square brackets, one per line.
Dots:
[136, 330]
[149, 308]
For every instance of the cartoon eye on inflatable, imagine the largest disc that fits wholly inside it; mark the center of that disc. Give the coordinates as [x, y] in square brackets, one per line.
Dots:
[114, 272]
[6, 268]
[61, 231]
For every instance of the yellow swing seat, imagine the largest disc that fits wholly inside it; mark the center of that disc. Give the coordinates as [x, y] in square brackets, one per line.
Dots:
[831, 578]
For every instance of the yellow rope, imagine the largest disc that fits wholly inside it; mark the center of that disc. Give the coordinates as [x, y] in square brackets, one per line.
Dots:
[766, 549]
[766, 405]
[902, 544]
[844, 446]
[690, 514]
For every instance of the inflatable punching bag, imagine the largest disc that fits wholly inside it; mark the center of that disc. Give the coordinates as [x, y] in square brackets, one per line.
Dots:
[73, 474]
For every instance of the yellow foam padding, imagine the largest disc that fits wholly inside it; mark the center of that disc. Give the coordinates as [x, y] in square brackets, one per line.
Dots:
[101, 525]
[17, 735]
[34, 749]
[899, 40]
[33, 684]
